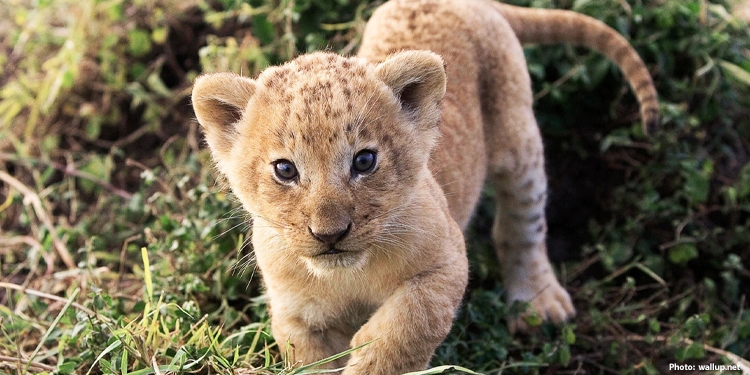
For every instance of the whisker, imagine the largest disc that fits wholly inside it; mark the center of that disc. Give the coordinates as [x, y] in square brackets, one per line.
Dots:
[232, 228]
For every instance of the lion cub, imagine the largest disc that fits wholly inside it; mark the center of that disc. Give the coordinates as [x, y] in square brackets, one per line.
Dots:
[361, 172]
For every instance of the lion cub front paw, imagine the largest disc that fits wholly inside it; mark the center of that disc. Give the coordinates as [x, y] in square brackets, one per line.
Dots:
[552, 302]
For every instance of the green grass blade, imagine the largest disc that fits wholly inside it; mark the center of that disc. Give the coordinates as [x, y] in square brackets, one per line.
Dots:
[177, 360]
[162, 369]
[49, 330]
[147, 275]
[124, 363]
[310, 369]
[442, 369]
[110, 348]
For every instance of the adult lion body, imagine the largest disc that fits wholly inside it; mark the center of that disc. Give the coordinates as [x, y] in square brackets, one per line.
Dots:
[360, 173]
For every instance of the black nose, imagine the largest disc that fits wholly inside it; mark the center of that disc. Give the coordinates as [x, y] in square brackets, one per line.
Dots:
[331, 238]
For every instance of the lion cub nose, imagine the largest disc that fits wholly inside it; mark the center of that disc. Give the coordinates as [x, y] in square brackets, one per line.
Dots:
[331, 238]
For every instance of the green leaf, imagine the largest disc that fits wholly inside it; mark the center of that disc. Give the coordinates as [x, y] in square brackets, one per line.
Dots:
[96, 167]
[683, 253]
[695, 350]
[156, 85]
[159, 35]
[68, 79]
[564, 355]
[568, 335]
[93, 127]
[654, 326]
[50, 142]
[137, 70]
[735, 72]
[115, 11]
[533, 319]
[109, 41]
[67, 368]
[696, 325]
[698, 180]
[680, 354]
[263, 29]
[743, 184]
[98, 302]
[139, 42]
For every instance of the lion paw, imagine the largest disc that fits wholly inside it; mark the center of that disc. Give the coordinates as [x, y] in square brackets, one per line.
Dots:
[552, 303]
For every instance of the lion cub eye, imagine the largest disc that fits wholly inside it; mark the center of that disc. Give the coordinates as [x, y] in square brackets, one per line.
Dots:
[364, 162]
[285, 170]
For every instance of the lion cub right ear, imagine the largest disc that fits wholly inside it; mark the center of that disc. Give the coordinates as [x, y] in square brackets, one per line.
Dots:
[417, 79]
[219, 101]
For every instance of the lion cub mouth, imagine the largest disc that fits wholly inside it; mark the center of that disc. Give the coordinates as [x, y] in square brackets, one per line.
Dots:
[336, 258]
[332, 251]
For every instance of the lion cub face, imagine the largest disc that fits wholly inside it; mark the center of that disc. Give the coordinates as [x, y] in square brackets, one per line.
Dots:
[325, 150]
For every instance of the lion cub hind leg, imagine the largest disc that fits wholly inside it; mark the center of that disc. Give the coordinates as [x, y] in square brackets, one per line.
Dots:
[519, 233]
[515, 157]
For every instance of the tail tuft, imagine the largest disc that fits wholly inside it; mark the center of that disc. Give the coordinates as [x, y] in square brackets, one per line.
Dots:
[650, 119]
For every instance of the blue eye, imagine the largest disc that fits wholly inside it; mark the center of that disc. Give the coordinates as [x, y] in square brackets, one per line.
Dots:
[285, 170]
[364, 161]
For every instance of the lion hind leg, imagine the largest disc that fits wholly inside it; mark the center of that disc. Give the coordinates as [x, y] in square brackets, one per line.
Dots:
[520, 226]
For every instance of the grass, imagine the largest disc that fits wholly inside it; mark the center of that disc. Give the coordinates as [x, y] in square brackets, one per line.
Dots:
[120, 253]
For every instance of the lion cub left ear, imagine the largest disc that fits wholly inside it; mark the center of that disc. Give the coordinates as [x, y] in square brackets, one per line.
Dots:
[219, 101]
[417, 79]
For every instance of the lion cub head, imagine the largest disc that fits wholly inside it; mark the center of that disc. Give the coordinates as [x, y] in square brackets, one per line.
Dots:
[326, 150]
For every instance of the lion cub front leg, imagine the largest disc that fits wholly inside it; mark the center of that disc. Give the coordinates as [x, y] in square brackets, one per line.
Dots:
[404, 332]
[301, 344]
[519, 233]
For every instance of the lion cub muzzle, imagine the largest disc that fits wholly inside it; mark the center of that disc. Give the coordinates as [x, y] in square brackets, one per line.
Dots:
[329, 224]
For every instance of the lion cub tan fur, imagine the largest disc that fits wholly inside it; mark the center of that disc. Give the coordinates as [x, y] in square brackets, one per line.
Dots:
[360, 173]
